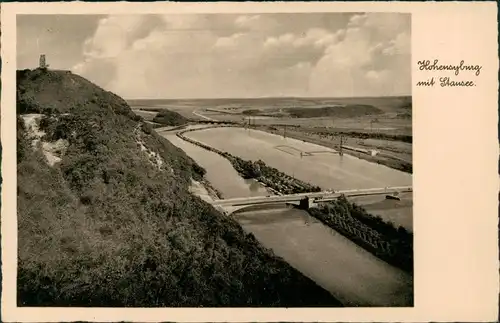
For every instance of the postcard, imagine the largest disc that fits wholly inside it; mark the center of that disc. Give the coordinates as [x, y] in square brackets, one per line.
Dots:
[250, 162]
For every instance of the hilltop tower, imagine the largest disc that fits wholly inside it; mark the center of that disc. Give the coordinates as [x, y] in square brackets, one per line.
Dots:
[43, 64]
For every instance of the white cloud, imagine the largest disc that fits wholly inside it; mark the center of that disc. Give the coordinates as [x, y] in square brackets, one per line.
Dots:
[141, 67]
[111, 35]
[199, 56]
[357, 20]
[315, 36]
[377, 75]
[355, 65]
[247, 21]
[399, 45]
[229, 42]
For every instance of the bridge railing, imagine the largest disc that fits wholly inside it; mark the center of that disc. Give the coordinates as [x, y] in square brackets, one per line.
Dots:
[313, 195]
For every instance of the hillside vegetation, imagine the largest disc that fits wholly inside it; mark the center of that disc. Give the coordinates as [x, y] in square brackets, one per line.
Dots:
[105, 216]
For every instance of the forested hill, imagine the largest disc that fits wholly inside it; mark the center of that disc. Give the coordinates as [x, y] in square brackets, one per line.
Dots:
[105, 216]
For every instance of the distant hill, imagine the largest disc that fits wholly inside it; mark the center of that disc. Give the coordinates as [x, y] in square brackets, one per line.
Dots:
[384, 103]
[347, 111]
[169, 118]
[105, 216]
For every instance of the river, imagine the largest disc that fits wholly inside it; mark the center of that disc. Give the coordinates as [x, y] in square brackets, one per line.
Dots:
[351, 274]
[318, 165]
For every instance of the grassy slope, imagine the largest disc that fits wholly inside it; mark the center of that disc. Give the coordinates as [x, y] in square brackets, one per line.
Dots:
[107, 228]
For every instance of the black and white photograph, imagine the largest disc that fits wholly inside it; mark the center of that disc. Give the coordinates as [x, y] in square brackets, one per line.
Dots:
[214, 160]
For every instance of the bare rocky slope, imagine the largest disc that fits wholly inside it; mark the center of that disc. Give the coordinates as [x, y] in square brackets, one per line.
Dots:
[105, 216]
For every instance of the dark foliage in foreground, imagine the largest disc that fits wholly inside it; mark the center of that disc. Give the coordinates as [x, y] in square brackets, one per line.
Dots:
[110, 226]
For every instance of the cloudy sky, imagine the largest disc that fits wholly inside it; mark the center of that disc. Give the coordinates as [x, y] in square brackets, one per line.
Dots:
[226, 55]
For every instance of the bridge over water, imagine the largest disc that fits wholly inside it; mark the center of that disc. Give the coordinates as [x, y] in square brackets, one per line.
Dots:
[234, 204]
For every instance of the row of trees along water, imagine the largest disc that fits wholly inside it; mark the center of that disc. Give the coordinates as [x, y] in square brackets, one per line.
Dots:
[383, 239]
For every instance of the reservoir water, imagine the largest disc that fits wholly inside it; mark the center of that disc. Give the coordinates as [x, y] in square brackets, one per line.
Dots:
[354, 276]
[317, 165]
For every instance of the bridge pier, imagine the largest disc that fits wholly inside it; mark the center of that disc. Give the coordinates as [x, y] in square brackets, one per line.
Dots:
[306, 203]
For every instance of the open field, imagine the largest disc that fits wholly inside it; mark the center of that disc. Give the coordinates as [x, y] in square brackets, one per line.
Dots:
[387, 123]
